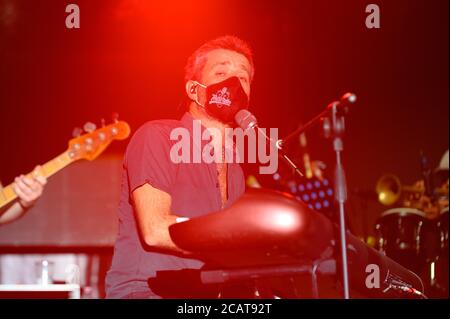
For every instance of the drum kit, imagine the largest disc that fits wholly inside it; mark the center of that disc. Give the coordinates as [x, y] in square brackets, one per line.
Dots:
[413, 231]
[416, 233]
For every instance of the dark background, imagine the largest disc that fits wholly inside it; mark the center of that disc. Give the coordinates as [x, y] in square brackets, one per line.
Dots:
[128, 57]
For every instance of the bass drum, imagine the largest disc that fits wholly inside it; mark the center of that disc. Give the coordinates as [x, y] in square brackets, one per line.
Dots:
[442, 225]
[399, 234]
[435, 274]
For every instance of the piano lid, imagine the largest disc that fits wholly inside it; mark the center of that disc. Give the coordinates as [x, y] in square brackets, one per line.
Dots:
[262, 220]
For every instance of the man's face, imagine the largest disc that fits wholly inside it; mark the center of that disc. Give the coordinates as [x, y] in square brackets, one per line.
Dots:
[222, 64]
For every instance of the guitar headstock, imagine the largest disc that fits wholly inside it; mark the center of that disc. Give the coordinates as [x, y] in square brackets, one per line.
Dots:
[95, 141]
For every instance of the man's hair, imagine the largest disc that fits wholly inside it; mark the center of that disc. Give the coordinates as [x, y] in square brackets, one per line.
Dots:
[197, 60]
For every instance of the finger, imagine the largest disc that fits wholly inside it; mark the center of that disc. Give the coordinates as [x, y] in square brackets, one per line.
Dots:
[37, 171]
[34, 185]
[27, 181]
[23, 187]
[35, 188]
[37, 175]
[41, 180]
[22, 196]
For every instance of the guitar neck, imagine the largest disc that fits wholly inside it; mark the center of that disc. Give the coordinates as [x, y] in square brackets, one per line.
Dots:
[7, 194]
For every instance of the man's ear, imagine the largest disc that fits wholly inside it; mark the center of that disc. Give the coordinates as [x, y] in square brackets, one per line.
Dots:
[191, 90]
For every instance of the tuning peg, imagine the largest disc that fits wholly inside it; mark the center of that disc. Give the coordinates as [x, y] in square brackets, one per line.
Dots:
[89, 127]
[77, 132]
[115, 117]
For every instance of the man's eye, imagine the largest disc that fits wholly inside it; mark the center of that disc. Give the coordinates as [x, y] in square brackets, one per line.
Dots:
[243, 79]
[220, 73]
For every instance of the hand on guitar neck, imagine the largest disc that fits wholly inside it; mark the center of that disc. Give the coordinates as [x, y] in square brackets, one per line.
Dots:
[28, 189]
[23, 193]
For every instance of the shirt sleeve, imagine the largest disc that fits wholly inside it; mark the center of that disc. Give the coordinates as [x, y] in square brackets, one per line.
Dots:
[147, 159]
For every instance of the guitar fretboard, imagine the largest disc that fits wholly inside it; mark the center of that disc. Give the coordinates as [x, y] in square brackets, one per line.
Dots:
[7, 194]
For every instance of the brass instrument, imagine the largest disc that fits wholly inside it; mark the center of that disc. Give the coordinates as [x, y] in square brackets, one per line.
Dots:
[390, 190]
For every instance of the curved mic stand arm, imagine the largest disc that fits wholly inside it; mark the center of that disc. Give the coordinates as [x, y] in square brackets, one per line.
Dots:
[342, 105]
[282, 142]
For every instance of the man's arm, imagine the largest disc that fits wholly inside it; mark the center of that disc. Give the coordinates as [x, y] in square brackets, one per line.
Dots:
[11, 212]
[152, 208]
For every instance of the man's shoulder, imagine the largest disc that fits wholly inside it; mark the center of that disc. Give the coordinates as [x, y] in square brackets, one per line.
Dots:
[157, 129]
[164, 125]
[152, 137]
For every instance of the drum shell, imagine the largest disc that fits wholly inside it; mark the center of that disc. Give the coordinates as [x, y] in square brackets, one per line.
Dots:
[435, 273]
[400, 235]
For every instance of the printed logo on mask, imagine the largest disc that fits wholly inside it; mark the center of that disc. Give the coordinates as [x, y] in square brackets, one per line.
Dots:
[224, 99]
[221, 97]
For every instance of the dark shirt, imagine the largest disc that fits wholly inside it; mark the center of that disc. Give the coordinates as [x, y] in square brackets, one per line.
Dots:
[193, 187]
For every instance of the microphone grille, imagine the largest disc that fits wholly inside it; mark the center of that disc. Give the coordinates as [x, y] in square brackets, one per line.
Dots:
[245, 120]
[350, 97]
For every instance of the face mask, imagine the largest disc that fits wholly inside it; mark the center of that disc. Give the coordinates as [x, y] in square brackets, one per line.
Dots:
[225, 99]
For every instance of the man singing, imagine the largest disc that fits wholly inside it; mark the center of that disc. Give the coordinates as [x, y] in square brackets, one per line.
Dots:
[157, 191]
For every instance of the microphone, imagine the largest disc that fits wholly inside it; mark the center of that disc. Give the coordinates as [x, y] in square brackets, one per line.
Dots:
[346, 100]
[245, 120]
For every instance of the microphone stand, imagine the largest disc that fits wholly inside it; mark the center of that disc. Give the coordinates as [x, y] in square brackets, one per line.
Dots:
[333, 127]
